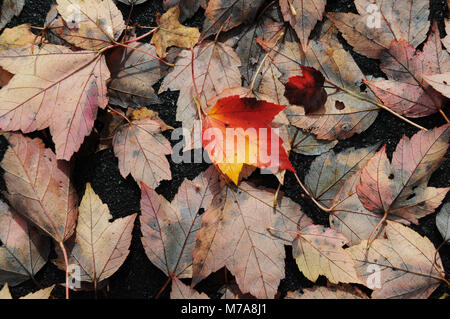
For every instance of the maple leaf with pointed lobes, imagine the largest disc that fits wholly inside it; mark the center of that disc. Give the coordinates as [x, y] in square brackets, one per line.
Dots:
[400, 188]
[235, 234]
[169, 229]
[99, 246]
[408, 264]
[406, 91]
[303, 16]
[53, 87]
[380, 22]
[307, 89]
[248, 120]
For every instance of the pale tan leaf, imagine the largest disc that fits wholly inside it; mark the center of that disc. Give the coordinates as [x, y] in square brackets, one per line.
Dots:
[303, 16]
[88, 24]
[331, 292]
[443, 221]
[182, 291]
[405, 263]
[142, 149]
[99, 246]
[40, 294]
[5, 293]
[39, 187]
[318, 251]
[172, 33]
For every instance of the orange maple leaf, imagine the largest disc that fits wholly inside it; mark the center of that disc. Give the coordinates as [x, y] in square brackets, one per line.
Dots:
[237, 131]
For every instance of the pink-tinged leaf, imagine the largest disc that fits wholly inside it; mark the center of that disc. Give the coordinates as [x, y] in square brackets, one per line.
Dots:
[169, 229]
[380, 22]
[39, 187]
[405, 91]
[56, 88]
[318, 251]
[142, 149]
[235, 234]
[399, 188]
[99, 246]
[182, 291]
[405, 263]
[303, 16]
[24, 251]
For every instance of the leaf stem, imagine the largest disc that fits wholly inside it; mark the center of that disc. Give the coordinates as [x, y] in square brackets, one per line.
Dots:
[164, 287]
[444, 116]
[325, 209]
[66, 261]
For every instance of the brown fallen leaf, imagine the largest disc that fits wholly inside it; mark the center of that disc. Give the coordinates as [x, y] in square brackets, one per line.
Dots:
[303, 16]
[44, 293]
[142, 149]
[182, 291]
[88, 24]
[99, 246]
[53, 87]
[330, 292]
[380, 22]
[214, 68]
[404, 262]
[132, 2]
[235, 234]
[237, 11]
[9, 9]
[443, 222]
[23, 252]
[17, 37]
[318, 251]
[169, 229]
[134, 71]
[400, 188]
[405, 91]
[348, 109]
[172, 33]
[329, 171]
[39, 187]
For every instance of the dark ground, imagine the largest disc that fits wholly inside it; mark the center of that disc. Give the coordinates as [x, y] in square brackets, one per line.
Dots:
[138, 278]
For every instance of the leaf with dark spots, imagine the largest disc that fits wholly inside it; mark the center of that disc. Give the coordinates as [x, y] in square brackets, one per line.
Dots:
[386, 187]
[318, 251]
[142, 149]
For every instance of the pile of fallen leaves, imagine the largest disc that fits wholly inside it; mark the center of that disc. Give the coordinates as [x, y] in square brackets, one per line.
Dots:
[253, 64]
